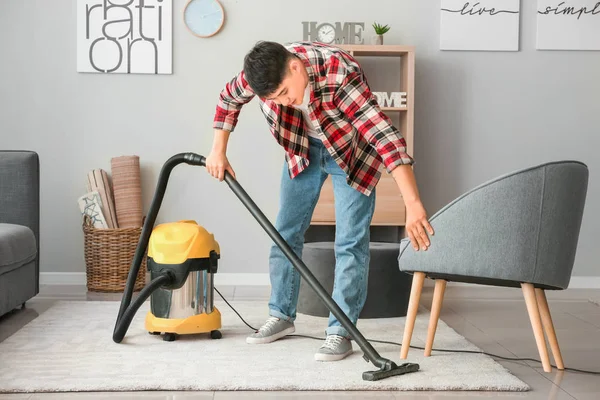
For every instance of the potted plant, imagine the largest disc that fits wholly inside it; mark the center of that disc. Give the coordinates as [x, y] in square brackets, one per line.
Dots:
[380, 30]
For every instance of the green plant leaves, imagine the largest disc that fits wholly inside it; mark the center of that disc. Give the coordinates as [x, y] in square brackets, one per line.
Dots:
[380, 29]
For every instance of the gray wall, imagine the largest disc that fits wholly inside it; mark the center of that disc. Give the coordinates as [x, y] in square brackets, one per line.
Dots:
[478, 115]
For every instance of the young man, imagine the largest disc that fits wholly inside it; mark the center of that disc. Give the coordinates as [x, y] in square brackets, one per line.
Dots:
[320, 109]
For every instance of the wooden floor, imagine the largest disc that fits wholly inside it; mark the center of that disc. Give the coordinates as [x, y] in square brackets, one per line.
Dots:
[494, 319]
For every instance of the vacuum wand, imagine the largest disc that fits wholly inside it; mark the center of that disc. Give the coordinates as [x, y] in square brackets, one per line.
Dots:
[387, 367]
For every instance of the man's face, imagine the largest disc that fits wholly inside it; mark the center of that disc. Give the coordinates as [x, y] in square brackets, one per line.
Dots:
[291, 90]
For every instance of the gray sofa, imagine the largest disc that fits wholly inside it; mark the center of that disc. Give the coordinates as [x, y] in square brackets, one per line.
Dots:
[19, 228]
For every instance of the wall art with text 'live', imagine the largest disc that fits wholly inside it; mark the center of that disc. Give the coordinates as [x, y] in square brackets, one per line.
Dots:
[128, 37]
[568, 25]
[485, 25]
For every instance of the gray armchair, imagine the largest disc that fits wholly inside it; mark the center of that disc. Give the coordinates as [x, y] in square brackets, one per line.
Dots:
[518, 230]
[19, 228]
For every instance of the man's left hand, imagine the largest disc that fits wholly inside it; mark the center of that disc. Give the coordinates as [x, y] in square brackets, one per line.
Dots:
[417, 226]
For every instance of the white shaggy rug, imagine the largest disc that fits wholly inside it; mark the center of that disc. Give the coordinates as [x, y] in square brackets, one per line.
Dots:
[69, 348]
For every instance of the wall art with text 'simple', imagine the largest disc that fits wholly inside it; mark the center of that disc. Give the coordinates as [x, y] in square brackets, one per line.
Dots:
[486, 25]
[128, 37]
[568, 25]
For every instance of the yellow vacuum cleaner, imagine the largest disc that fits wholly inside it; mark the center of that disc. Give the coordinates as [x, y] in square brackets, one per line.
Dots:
[192, 250]
[182, 259]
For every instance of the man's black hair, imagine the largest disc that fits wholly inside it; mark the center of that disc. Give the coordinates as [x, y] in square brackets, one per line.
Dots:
[265, 67]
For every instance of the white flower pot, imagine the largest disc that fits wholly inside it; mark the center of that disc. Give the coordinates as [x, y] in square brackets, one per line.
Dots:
[377, 39]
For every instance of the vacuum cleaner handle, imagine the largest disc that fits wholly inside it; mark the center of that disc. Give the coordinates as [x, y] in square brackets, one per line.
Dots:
[387, 367]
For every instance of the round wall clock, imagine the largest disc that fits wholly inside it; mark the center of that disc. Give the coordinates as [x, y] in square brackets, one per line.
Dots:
[204, 18]
[326, 33]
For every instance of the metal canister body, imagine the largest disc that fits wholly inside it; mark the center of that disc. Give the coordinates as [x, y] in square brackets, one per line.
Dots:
[193, 298]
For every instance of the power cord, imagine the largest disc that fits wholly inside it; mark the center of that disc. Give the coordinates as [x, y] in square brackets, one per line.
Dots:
[416, 347]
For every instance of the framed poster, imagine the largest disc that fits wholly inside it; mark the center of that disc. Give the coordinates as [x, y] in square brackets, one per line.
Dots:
[127, 37]
[485, 25]
[568, 25]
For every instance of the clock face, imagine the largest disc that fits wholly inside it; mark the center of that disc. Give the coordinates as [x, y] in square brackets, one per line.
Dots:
[204, 18]
[326, 33]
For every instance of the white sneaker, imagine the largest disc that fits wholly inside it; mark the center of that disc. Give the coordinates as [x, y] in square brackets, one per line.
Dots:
[272, 330]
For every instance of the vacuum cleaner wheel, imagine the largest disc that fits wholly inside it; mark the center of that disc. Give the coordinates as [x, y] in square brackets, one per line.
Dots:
[169, 337]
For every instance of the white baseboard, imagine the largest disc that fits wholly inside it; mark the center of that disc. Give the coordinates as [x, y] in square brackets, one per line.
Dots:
[585, 282]
[223, 279]
[62, 278]
[577, 282]
[262, 279]
[242, 279]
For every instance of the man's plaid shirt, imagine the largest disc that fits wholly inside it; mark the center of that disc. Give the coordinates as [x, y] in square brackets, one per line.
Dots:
[357, 134]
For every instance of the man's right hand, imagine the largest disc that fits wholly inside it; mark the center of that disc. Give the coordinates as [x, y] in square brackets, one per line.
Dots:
[217, 163]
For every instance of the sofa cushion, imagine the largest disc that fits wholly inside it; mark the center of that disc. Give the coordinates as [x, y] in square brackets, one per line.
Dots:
[17, 246]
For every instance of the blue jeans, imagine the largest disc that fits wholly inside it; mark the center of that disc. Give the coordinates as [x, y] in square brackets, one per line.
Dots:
[354, 212]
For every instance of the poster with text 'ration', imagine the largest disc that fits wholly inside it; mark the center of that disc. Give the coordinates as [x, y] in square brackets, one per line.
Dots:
[128, 37]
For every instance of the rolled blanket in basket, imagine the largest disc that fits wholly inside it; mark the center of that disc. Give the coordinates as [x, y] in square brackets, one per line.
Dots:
[97, 180]
[127, 188]
[90, 205]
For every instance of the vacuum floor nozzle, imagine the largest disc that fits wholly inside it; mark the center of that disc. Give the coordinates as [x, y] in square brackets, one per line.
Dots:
[395, 370]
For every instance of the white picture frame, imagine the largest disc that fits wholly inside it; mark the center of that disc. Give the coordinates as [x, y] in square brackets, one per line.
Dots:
[568, 25]
[124, 37]
[485, 25]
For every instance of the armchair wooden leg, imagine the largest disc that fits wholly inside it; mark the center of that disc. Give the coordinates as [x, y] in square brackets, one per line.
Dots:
[413, 308]
[549, 327]
[436, 308]
[536, 324]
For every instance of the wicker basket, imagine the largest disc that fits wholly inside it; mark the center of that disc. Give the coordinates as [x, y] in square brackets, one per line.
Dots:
[108, 255]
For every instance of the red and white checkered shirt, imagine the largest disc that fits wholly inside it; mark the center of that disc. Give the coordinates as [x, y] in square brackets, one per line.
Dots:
[357, 134]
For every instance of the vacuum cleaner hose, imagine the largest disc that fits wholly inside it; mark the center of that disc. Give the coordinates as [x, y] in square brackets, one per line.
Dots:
[126, 312]
[125, 320]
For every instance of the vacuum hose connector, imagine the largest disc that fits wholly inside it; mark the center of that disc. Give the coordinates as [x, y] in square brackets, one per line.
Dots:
[194, 159]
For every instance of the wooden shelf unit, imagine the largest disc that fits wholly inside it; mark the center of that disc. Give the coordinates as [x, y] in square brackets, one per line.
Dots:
[389, 207]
